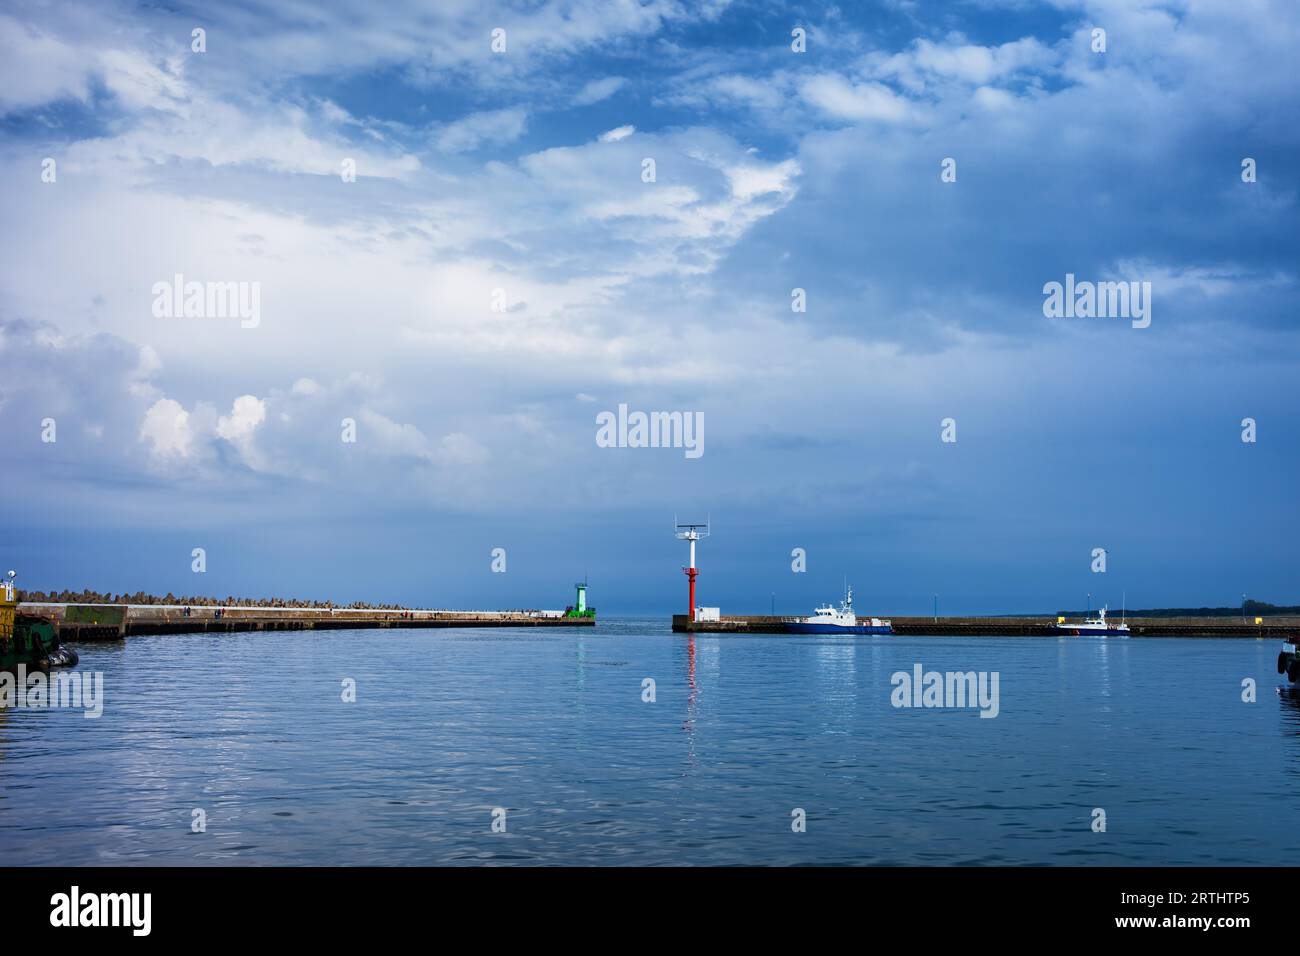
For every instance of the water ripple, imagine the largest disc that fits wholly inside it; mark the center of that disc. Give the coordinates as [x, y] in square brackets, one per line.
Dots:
[550, 726]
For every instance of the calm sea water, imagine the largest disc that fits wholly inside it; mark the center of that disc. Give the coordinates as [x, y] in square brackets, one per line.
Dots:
[551, 726]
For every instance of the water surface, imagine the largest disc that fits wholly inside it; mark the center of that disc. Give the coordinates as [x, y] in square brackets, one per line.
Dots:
[550, 726]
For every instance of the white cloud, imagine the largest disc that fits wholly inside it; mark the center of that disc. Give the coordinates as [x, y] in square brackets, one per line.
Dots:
[450, 37]
[628, 285]
[598, 90]
[1213, 282]
[37, 67]
[392, 438]
[494, 128]
[618, 133]
[460, 449]
[751, 180]
[138, 83]
[968, 62]
[166, 428]
[842, 99]
[768, 93]
[992, 99]
[248, 412]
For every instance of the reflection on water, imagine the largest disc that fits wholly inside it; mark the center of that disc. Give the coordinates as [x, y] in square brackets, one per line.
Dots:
[692, 700]
[837, 682]
[1103, 664]
[447, 725]
[1290, 697]
[1289, 709]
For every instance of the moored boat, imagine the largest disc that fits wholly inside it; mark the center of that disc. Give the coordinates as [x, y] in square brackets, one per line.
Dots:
[1288, 662]
[1094, 626]
[26, 639]
[841, 620]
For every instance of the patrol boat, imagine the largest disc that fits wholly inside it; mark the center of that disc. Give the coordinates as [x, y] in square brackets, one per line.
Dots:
[841, 620]
[1097, 626]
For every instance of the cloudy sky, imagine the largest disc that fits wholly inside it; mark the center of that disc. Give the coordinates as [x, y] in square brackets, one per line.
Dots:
[498, 272]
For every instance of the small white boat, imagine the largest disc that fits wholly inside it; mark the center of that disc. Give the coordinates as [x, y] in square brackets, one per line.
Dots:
[841, 620]
[1096, 626]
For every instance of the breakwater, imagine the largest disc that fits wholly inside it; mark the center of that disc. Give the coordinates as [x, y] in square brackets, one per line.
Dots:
[1272, 627]
[89, 622]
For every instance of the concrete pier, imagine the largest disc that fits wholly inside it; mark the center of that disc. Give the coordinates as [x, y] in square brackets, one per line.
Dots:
[1272, 627]
[91, 622]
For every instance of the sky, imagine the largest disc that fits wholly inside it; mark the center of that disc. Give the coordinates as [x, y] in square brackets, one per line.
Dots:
[824, 231]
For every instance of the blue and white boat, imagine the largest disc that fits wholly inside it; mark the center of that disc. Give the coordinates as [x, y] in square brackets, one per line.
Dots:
[1095, 627]
[841, 620]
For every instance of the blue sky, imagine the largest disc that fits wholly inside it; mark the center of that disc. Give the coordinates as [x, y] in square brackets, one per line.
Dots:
[775, 170]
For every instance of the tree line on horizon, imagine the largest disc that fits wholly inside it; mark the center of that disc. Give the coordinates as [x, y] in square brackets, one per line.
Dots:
[1252, 608]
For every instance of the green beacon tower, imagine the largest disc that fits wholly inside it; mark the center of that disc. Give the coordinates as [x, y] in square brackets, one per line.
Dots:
[579, 608]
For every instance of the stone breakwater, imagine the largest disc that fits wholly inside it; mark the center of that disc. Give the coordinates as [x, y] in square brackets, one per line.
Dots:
[84, 622]
[1272, 627]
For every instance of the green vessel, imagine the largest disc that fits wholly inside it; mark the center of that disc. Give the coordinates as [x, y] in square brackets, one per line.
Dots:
[25, 639]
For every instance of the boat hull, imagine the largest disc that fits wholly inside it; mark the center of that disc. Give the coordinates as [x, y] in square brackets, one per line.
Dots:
[1288, 662]
[803, 627]
[30, 641]
[1091, 631]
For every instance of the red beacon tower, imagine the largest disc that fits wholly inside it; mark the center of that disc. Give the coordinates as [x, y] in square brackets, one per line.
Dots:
[691, 533]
